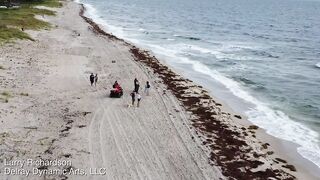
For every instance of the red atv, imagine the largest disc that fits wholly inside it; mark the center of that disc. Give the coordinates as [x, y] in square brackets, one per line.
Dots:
[117, 92]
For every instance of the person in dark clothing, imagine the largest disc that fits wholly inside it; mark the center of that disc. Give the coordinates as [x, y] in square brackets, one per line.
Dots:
[115, 84]
[136, 87]
[91, 79]
[133, 96]
[135, 81]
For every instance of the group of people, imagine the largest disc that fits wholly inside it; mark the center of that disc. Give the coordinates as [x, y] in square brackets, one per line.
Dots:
[137, 86]
[93, 79]
[135, 95]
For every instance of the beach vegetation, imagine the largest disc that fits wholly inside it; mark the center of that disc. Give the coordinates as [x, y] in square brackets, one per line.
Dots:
[7, 34]
[24, 94]
[5, 95]
[2, 68]
[47, 3]
[13, 21]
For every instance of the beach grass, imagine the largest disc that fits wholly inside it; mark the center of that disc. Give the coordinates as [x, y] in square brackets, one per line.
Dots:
[13, 21]
[24, 94]
[1, 67]
[47, 3]
[5, 95]
[7, 34]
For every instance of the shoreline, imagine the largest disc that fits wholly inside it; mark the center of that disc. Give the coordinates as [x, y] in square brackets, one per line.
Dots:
[276, 144]
[260, 111]
[149, 60]
[54, 114]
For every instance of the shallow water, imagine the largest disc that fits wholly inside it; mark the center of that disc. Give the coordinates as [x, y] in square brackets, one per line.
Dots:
[266, 53]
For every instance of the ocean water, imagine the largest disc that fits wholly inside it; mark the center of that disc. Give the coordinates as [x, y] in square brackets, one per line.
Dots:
[262, 54]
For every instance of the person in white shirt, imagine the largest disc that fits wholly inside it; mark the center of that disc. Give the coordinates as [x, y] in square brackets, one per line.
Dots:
[147, 88]
[139, 99]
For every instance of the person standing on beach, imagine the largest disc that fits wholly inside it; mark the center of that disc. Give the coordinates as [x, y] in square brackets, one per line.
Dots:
[91, 79]
[136, 85]
[139, 99]
[147, 88]
[135, 81]
[95, 79]
[133, 97]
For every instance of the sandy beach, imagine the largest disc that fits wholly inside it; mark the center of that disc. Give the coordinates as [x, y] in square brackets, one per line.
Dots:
[179, 132]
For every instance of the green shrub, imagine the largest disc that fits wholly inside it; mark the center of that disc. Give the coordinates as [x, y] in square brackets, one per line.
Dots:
[6, 94]
[48, 3]
[13, 20]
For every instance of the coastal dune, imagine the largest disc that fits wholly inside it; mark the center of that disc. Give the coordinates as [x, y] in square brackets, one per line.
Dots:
[178, 132]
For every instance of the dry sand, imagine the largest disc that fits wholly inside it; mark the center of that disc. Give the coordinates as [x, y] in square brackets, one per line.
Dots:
[53, 113]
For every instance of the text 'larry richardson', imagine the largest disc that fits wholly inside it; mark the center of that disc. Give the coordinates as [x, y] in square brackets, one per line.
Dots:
[46, 167]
